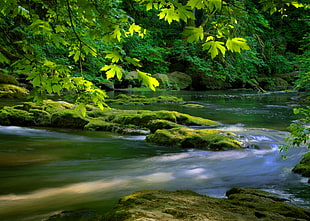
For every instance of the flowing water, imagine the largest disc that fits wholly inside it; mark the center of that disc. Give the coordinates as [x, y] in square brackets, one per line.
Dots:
[45, 170]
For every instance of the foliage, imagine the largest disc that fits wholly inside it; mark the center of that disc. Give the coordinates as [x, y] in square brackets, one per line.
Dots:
[61, 45]
[299, 130]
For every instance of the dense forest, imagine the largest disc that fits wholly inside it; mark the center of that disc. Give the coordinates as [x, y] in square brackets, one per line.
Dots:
[254, 44]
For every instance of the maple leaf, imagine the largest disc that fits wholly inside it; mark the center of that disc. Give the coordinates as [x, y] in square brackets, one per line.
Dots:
[114, 56]
[112, 70]
[147, 80]
[169, 14]
[237, 44]
[199, 4]
[193, 33]
[184, 12]
[214, 47]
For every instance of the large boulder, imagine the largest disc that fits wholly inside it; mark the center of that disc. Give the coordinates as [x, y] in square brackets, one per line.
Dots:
[241, 205]
[163, 80]
[206, 139]
[180, 80]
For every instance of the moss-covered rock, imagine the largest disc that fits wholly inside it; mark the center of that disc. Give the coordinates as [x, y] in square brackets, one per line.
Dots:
[12, 91]
[16, 117]
[191, 105]
[189, 138]
[102, 125]
[49, 106]
[68, 119]
[142, 100]
[275, 84]
[241, 205]
[303, 167]
[8, 79]
[163, 80]
[180, 80]
[154, 125]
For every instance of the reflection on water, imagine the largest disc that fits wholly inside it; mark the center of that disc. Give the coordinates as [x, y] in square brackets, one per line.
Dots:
[43, 171]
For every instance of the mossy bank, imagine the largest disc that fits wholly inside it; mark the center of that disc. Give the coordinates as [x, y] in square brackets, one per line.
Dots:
[160, 205]
[168, 128]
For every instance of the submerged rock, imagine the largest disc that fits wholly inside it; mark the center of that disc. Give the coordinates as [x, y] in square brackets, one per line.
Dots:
[241, 204]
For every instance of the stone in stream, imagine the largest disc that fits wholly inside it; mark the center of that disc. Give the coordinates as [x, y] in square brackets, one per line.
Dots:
[161, 205]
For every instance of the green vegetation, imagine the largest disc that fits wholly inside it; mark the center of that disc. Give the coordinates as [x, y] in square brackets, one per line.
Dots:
[241, 204]
[77, 47]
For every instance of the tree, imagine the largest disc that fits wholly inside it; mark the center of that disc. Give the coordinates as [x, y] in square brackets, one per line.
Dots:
[33, 32]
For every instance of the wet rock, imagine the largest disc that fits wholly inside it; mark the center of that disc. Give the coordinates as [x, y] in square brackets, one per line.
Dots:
[68, 119]
[303, 167]
[16, 117]
[194, 138]
[12, 91]
[81, 215]
[241, 204]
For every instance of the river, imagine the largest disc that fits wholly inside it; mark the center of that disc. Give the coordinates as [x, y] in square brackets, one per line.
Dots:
[48, 170]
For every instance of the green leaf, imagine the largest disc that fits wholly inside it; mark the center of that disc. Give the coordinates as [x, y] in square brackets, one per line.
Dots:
[147, 80]
[169, 14]
[3, 59]
[114, 56]
[214, 47]
[214, 4]
[193, 34]
[136, 29]
[237, 44]
[133, 61]
[198, 4]
[184, 13]
[112, 70]
[117, 33]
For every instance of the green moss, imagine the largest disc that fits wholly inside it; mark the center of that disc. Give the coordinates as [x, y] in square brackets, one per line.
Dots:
[154, 125]
[68, 119]
[244, 205]
[194, 121]
[49, 106]
[41, 117]
[138, 100]
[12, 91]
[7, 79]
[303, 167]
[17, 117]
[194, 105]
[190, 138]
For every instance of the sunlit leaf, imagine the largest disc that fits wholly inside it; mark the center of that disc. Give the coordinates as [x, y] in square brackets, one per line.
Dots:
[214, 47]
[112, 71]
[114, 56]
[148, 80]
[198, 4]
[193, 34]
[237, 44]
